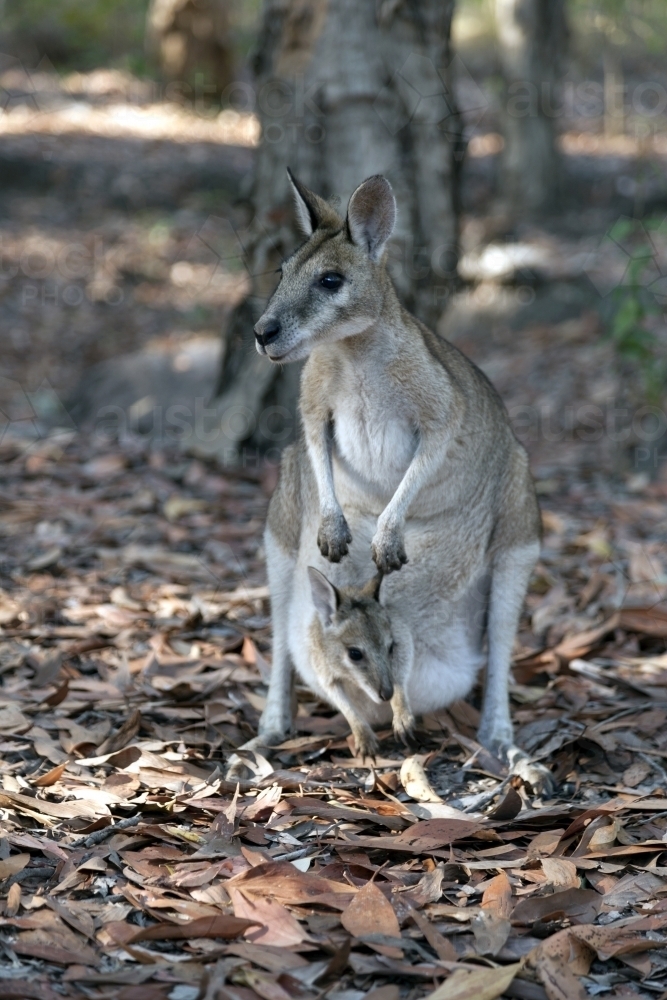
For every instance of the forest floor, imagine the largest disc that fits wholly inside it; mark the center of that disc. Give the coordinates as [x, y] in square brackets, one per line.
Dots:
[136, 646]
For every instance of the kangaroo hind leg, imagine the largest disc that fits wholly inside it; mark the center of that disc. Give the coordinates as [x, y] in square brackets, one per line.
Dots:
[510, 574]
[276, 720]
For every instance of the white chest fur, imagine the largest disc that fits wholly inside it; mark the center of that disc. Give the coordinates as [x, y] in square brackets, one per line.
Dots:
[374, 439]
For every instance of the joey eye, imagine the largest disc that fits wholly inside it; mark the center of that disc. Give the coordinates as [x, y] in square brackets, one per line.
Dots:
[391, 649]
[355, 654]
[331, 281]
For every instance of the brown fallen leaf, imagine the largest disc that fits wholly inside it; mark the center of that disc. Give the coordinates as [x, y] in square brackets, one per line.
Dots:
[58, 945]
[58, 695]
[283, 882]
[580, 906]
[116, 933]
[277, 925]
[544, 844]
[273, 959]
[632, 889]
[262, 983]
[60, 810]
[131, 974]
[119, 740]
[13, 900]
[50, 778]
[222, 926]
[370, 912]
[430, 834]
[613, 941]
[508, 807]
[497, 896]
[561, 873]
[388, 992]
[638, 771]
[23, 989]
[441, 945]
[13, 864]
[558, 979]
[476, 984]
[647, 621]
[74, 915]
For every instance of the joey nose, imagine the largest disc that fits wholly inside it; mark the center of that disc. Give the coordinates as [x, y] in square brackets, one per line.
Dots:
[387, 691]
[267, 332]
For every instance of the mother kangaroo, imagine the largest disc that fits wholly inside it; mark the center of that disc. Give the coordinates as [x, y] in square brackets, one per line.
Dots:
[406, 459]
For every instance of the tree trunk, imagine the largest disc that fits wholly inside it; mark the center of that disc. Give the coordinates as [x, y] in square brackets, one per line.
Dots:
[532, 38]
[344, 89]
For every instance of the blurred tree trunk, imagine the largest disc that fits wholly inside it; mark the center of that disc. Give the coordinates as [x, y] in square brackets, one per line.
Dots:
[189, 39]
[532, 37]
[343, 90]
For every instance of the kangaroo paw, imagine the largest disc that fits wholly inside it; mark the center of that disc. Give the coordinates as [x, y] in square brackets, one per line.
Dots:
[334, 537]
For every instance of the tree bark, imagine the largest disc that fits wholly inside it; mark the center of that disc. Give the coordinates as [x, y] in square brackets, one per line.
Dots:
[344, 89]
[532, 37]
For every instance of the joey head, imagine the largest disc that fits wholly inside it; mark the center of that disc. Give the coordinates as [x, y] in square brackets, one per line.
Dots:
[351, 649]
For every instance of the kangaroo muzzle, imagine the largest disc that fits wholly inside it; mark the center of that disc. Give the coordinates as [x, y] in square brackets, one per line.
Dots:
[266, 331]
[386, 691]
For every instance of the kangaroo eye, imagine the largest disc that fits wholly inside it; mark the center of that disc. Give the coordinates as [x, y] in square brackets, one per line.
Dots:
[331, 281]
[391, 649]
[355, 654]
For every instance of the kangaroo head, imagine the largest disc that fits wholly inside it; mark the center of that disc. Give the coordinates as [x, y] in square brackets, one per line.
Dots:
[353, 634]
[333, 286]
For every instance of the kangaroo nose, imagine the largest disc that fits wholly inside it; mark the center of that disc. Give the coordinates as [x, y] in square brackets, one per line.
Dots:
[387, 691]
[268, 334]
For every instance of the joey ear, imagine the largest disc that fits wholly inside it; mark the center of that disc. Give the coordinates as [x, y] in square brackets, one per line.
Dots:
[311, 210]
[371, 215]
[372, 588]
[325, 596]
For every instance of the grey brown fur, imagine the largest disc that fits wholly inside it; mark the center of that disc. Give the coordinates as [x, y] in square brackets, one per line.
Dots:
[407, 461]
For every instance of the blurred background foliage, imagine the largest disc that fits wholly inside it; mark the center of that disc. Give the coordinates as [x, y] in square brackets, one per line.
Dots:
[88, 34]
[637, 26]
[85, 35]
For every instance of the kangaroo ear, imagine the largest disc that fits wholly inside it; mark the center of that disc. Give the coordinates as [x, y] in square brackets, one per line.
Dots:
[371, 215]
[372, 588]
[325, 596]
[312, 211]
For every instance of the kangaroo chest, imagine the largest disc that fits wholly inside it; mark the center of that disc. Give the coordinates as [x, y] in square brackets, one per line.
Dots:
[373, 438]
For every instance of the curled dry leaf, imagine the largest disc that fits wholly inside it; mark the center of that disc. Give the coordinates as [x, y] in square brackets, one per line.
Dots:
[50, 778]
[415, 782]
